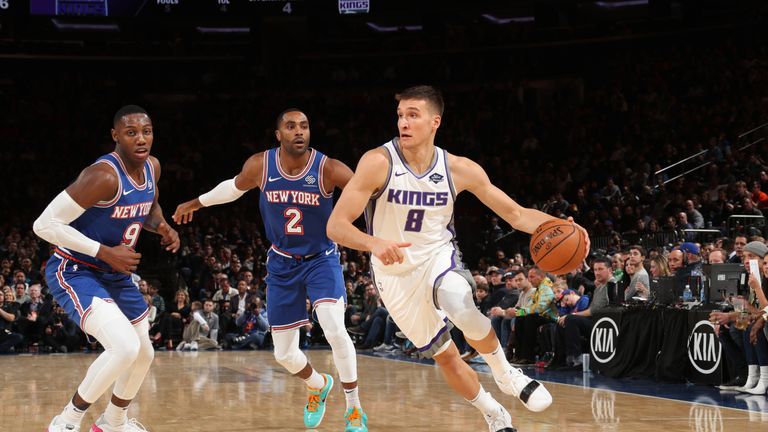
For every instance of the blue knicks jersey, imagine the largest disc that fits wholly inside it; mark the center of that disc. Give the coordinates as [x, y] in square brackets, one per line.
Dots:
[296, 208]
[120, 219]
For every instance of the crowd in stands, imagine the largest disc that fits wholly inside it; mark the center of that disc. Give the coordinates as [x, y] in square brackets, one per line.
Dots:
[589, 150]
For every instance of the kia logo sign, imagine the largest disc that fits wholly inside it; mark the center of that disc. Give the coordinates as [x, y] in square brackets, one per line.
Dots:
[605, 333]
[705, 418]
[704, 351]
[604, 408]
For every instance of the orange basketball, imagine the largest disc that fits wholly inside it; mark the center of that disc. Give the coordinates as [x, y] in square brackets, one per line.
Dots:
[557, 246]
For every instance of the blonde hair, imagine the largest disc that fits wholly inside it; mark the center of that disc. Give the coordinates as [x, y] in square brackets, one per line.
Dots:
[662, 265]
[186, 296]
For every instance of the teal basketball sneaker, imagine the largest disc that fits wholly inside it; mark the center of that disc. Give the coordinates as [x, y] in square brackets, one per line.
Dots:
[315, 408]
[356, 420]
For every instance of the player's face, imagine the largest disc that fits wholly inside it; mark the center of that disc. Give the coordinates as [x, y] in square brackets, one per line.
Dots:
[417, 122]
[134, 136]
[294, 133]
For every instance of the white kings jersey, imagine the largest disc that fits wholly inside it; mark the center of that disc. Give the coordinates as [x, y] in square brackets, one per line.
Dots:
[413, 208]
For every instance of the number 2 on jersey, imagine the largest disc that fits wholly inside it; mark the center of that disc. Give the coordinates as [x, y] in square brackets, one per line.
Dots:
[131, 234]
[293, 227]
[414, 219]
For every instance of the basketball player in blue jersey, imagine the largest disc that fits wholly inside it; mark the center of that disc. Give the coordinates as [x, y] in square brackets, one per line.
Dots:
[409, 186]
[94, 225]
[297, 184]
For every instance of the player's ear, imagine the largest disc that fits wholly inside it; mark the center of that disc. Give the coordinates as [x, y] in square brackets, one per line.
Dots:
[436, 120]
[114, 135]
[277, 134]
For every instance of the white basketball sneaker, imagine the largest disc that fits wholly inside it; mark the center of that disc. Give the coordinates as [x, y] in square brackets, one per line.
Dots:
[132, 425]
[500, 421]
[58, 425]
[530, 392]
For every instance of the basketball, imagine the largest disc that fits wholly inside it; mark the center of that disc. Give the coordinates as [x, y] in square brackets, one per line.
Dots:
[557, 246]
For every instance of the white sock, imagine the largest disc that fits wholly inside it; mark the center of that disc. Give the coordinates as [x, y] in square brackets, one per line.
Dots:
[315, 381]
[497, 361]
[485, 402]
[753, 376]
[353, 398]
[71, 414]
[115, 415]
[763, 376]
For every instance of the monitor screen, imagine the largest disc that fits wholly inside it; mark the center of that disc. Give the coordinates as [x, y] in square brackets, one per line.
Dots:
[725, 280]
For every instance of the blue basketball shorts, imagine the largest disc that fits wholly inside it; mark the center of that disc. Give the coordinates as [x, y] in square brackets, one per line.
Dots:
[74, 286]
[291, 281]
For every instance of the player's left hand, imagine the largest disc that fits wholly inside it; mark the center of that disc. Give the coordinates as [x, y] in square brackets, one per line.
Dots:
[583, 231]
[170, 238]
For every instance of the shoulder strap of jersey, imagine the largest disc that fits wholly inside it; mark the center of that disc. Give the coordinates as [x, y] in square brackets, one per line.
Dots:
[321, 177]
[267, 155]
[448, 172]
[390, 152]
[109, 159]
[150, 170]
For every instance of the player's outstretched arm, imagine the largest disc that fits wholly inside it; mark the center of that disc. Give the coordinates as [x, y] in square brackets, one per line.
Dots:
[96, 183]
[468, 175]
[155, 221]
[370, 176]
[227, 191]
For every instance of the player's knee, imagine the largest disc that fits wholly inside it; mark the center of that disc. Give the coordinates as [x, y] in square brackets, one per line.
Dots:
[292, 359]
[146, 353]
[472, 323]
[447, 357]
[336, 335]
[331, 318]
[128, 349]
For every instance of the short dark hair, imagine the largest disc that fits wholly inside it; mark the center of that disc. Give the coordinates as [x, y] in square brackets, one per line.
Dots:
[423, 92]
[284, 112]
[603, 259]
[638, 248]
[127, 110]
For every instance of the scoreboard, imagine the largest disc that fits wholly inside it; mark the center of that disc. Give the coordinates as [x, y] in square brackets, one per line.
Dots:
[140, 8]
[189, 8]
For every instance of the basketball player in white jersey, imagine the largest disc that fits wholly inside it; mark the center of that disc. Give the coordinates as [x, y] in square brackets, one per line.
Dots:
[409, 186]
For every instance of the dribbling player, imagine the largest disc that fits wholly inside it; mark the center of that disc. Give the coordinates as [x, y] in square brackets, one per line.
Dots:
[409, 186]
[94, 225]
[297, 184]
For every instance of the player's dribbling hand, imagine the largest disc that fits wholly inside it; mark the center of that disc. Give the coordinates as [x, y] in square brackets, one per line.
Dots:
[121, 258]
[184, 211]
[586, 235]
[388, 252]
[170, 238]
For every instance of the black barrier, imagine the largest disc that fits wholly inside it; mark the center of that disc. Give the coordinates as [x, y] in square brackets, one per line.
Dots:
[705, 355]
[604, 339]
[672, 361]
[663, 344]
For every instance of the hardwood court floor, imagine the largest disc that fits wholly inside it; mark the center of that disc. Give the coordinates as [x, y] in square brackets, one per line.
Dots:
[248, 391]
